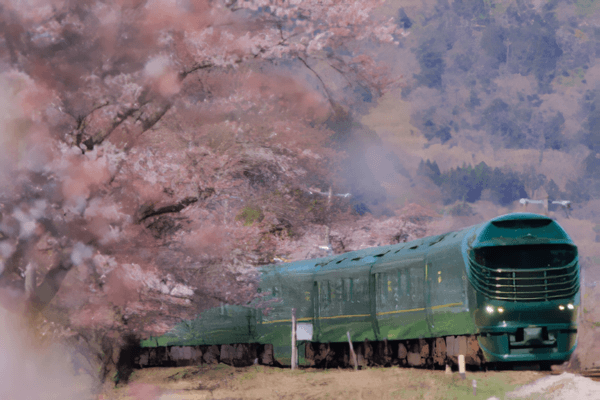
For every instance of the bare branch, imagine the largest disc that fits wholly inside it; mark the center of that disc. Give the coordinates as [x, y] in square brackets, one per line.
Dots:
[81, 120]
[149, 211]
[149, 122]
[334, 106]
[194, 68]
[102, 135]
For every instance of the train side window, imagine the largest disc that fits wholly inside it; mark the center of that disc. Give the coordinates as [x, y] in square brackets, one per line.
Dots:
[379, 288]
[337, 295]
[416, 285]
[337, 291]
[331, 288]
[385, 287]
[324, 296]
[403, 283]
[347, 286]
[360, 289]
[325, 293]
[401, 289]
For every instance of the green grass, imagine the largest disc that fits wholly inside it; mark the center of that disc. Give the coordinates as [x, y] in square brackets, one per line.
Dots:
[575, 77]
[434, 386]
[452, 387]
[222, 367]
[250, 215]
[587, 7]
[496, 7]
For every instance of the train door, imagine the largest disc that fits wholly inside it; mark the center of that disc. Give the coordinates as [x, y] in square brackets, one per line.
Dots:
[251, 316]
[428, 295]
[316, 312]
[373, 295]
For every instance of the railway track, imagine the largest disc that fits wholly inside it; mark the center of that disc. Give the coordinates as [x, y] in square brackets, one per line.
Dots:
[593, 373]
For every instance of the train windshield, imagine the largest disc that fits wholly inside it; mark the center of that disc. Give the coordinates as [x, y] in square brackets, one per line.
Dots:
[525, 256]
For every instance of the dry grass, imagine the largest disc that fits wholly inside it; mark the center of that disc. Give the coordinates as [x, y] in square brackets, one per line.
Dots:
[258, 382]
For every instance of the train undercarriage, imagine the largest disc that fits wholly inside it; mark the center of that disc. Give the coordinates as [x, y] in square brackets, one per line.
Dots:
[430, 352]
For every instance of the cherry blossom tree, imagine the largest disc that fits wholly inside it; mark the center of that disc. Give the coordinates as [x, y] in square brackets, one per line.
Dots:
[148, 148]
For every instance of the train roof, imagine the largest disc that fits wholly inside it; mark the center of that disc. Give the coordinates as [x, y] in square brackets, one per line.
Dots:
[352, 259]
[500, 231]
[520, 228]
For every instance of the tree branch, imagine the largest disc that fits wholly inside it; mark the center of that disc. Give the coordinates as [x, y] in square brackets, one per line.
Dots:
[149, 211]
[196, 67]
[334, 106]
[149, 122]
[81, 121]
[99, 137]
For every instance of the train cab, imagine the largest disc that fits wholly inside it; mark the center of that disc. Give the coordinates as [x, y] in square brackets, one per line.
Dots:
[524, 274]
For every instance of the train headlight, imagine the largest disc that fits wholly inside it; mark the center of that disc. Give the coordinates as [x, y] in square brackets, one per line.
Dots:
[570, 306]
[561, 307]
[489, 309]
[500, 310]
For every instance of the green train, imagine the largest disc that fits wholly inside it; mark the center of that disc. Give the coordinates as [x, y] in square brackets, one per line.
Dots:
[506, 290]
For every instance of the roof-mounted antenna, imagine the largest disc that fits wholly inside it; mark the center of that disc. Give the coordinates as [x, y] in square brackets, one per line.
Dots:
[565, 204]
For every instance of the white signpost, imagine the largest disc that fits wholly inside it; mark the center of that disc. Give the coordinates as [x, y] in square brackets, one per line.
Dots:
[304, 331]
[300, 331]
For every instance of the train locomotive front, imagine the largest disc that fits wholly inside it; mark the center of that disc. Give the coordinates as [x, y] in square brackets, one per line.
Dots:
[524, 288]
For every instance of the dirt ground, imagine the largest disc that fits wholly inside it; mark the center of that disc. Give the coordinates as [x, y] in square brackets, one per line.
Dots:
[258, 382]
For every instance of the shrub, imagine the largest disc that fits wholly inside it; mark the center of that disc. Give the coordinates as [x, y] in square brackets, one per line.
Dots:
[250, 215]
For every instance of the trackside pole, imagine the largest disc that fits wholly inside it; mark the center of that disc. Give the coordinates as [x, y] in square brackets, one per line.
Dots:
[294, 347]
[352, 353]
[461, 366]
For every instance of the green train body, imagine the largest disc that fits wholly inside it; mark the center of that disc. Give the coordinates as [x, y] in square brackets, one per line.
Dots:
[512, 281]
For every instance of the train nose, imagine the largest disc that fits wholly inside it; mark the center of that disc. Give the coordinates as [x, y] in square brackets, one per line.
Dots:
[532, 336]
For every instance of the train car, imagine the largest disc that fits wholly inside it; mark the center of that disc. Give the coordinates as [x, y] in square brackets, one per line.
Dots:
[506, 290]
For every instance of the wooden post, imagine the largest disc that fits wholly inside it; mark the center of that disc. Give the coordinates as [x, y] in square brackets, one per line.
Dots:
[352, 353]
[461, 366]
[30, 281]
[294, 349]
